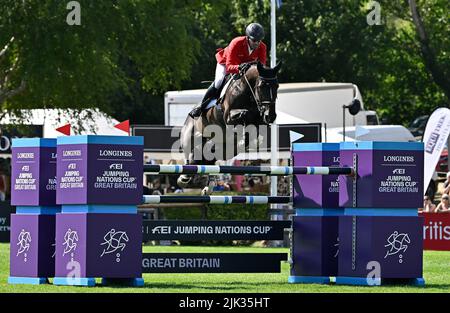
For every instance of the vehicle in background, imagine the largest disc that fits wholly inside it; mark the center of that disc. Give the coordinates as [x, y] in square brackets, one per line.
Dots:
[417, 127]
[369, 133]
[305, 102]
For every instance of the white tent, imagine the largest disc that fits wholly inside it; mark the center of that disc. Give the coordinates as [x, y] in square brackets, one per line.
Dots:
[92, 121]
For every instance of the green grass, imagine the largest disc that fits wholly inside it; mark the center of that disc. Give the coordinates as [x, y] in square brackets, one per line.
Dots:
[436, 274]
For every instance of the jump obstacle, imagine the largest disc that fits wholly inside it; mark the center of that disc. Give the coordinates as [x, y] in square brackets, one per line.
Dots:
[244, 170]
[217, 199]
[355, 203]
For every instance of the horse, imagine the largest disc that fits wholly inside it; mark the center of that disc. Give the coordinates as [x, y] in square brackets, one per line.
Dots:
[248, 98]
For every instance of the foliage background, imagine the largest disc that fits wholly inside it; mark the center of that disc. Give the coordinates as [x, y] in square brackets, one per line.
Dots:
[127, 53]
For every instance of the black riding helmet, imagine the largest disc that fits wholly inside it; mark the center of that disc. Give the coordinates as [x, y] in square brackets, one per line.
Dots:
[255, 31]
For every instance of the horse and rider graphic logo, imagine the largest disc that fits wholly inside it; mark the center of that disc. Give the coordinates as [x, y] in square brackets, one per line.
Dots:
[114, 241]
[23, 241]
[70, 241]
[397, 244]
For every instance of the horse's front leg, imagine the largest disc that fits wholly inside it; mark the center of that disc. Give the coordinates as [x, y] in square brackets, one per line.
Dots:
[197, 158]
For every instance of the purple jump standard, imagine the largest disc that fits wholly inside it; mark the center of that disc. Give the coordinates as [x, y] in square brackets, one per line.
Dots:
[314, 239]
[33, 192]
[380, 239]
[390, 174]
[98, 232]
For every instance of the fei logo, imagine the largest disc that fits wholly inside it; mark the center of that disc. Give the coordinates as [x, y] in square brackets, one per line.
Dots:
[23, 241]
[162, 230]
[399, 171]
[115, 240]
[397, 242]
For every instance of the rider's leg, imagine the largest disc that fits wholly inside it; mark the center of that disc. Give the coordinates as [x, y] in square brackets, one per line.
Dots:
[211, 93]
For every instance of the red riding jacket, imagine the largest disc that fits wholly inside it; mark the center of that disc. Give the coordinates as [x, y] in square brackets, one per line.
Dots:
[237, 52]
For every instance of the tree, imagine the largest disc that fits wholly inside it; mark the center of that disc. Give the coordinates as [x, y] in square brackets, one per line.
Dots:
[50, 64]
[440, 73]
[329, 40]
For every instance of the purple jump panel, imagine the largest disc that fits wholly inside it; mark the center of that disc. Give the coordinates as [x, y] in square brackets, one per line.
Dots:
[32, 245]
[33, 192]
[33, 177]
[98, 245]
[390, 174]
[315, 191]
[315, 246]
[99, 170]
[392, 244]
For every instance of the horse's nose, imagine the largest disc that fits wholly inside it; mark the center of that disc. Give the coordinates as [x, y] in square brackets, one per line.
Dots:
[270, 118]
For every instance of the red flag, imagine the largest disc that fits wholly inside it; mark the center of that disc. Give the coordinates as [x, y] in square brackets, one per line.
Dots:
[64, 129]
[124, 126]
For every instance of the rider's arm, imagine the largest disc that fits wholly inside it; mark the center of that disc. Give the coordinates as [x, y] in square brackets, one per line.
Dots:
[233, 61]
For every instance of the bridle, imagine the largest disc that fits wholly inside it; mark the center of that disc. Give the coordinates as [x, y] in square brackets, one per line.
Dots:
[263, 106]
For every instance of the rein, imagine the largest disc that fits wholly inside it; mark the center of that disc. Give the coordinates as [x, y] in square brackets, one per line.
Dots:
[259, 104]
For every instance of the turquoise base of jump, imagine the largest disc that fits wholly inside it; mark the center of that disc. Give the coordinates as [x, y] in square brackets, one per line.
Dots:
[318, 212]
[364, 281]
[133, 282]
[381, 212]
[74, 281]
[309, 280]
[90, 281]
[99, 208]
[38, 209]
[27, 280]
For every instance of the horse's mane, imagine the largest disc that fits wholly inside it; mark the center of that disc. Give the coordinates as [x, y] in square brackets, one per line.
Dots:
[262, 71]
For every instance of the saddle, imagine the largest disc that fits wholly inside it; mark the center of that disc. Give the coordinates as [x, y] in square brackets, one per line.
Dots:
[222, 90]
[236, 116]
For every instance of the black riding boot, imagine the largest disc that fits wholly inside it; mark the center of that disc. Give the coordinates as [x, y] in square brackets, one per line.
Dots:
[210, 94]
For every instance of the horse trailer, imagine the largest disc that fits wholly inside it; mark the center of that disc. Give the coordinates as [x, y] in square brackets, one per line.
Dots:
[297, 103]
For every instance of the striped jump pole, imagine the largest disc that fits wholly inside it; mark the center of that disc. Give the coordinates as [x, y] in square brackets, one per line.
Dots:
[216, 199]
[242, 170]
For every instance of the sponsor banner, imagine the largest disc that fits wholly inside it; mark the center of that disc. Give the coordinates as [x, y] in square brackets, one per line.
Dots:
[212, 262]
[10, 131]
[164, 138]
[99, 173]
[214, 230]
[436, 231]
[435, 138]
[5, 220]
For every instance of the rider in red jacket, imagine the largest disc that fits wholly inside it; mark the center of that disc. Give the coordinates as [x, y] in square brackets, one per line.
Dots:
[233, 58]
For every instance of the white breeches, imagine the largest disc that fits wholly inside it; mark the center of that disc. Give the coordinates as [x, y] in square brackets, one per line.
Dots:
[220, 75]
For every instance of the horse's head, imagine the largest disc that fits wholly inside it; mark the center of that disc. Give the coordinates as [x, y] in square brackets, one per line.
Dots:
[266, 92]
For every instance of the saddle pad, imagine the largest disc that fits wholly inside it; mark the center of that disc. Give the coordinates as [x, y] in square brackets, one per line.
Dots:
[211, 103]
[224, 89]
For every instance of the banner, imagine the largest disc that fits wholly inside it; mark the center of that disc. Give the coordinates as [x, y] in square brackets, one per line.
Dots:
[214, 230]
[436, 231]
[434, 139]
[212, 262]
[9, 131]
[5, 220]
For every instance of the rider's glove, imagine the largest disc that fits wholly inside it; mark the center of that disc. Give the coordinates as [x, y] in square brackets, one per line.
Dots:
[243, 67]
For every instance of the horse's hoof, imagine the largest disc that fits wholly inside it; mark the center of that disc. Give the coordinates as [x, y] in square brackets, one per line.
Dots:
[208, 190]
[205, 192]
[183, 181]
